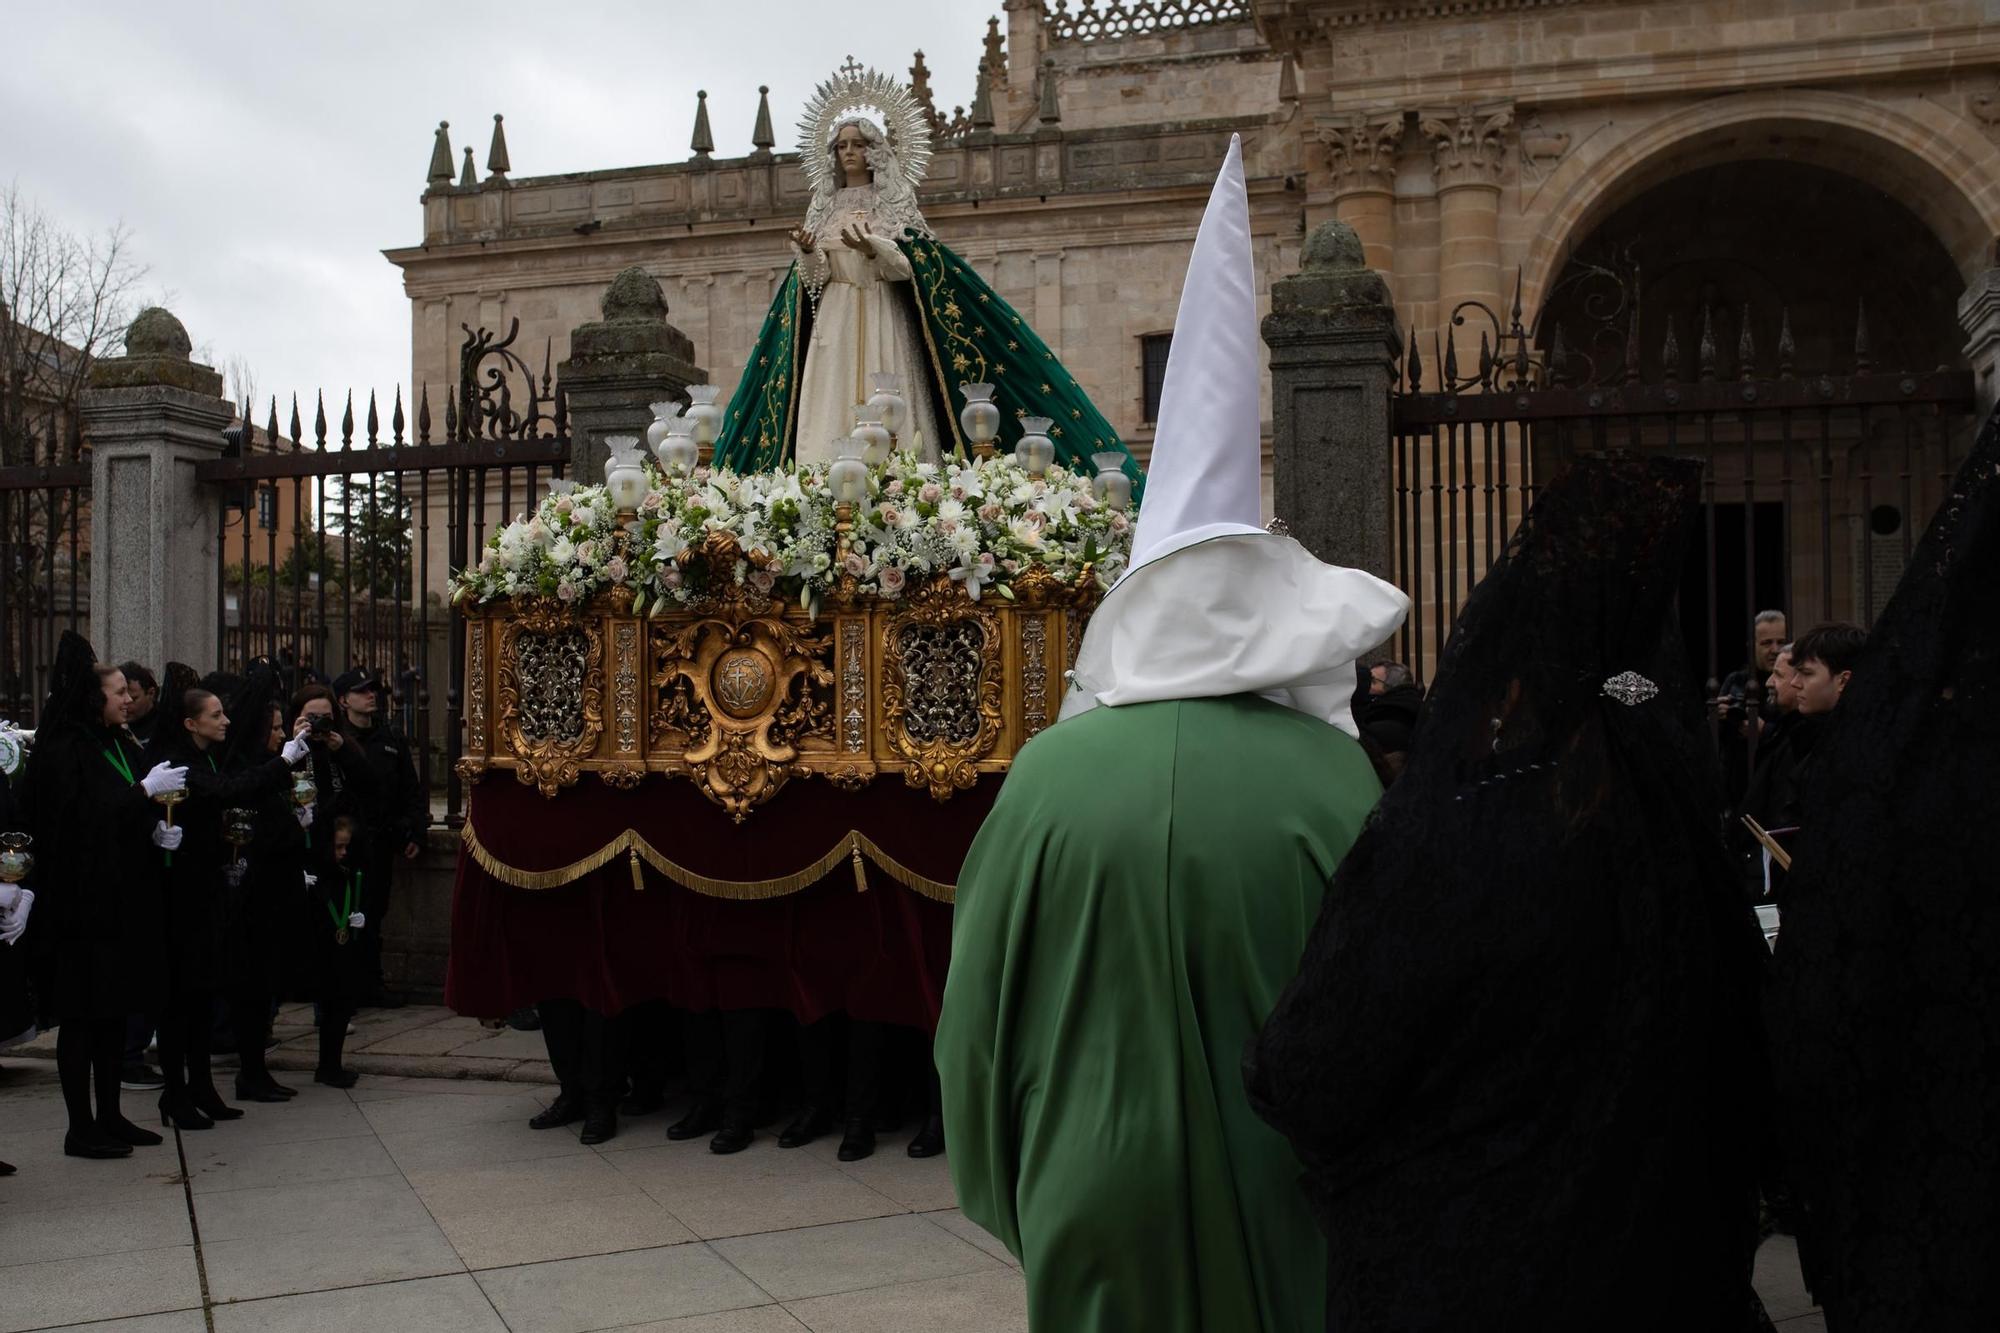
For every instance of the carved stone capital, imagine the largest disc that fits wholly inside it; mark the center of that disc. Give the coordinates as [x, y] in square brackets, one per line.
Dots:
[1361, 149]
[1469, 143]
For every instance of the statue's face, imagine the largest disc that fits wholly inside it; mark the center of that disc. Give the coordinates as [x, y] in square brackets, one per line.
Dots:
[850, 154]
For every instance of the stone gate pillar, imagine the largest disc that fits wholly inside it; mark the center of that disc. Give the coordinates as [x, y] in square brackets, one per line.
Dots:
[1333, 339]
[150, 416]
[621, 365]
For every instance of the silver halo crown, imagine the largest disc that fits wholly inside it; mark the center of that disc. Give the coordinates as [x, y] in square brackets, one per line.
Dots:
[853, 89]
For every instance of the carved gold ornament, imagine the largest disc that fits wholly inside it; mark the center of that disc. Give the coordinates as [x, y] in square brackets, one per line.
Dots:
[941, 687]
[550, 693]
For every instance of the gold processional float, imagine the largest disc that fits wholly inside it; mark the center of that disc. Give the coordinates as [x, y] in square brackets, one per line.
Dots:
[872, 618]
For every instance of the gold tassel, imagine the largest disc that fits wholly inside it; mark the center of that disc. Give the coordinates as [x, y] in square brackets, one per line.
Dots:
[860, 871]
[638, 875]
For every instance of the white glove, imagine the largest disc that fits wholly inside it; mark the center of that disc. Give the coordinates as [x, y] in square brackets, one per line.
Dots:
[168, 839]
[15, 919]
[9, 895]
[295, 750]
[312, 880]
[305, 816]
[358, 920]
[163, 777]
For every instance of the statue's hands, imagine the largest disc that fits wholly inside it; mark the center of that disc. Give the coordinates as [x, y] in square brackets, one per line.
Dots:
[803, 239]
[857, 238]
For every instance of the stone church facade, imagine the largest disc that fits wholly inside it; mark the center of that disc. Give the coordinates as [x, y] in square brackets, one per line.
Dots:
[1695, 166]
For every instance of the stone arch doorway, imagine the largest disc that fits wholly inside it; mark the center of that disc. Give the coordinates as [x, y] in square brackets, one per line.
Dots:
[1767, 265]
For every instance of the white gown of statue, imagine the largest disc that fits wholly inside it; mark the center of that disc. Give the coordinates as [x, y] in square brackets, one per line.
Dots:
[862, 326]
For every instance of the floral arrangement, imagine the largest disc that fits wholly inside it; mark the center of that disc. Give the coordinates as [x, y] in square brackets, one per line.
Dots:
[982, 523]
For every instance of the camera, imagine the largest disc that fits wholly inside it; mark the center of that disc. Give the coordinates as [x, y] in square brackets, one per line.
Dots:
[320, 723]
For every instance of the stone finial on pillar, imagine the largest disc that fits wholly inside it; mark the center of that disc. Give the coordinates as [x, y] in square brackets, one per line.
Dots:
[468, 179]
[1333, 338]
[497, 165]
[982, 101]
[761, 137]
[703, 142]
[440, 177]
[150, 415]
[1049, 112]
[619, 366]
[920, 88]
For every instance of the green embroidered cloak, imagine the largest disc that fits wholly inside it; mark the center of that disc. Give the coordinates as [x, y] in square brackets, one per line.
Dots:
[970, 336]
[1126, 919]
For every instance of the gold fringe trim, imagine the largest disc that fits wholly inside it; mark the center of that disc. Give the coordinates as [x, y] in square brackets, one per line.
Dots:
[853, 848]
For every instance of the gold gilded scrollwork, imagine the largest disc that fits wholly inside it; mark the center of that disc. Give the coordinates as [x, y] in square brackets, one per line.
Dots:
[744, 693]
[941, 687]
[472, 767]
[550, 692]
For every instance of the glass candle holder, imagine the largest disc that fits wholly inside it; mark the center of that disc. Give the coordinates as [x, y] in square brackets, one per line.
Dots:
[1036, 451]
[979, 418]
[1112, 486]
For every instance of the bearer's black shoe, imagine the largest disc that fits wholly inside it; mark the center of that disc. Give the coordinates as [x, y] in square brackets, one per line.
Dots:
[336, 1078]
[564, 1110]
[642, 1103]
[734, 1136]
[261, 1090]
[702, 1118]
[929, 1141]
[124, 1131]
[599, 1124]
[858, 1142]
[807, 1126]
[182, 1114]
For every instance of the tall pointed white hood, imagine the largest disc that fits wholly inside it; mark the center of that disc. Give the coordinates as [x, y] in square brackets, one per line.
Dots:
[1213, 604]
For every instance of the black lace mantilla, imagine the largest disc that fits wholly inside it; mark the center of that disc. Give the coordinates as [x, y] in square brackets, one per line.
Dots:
[1519, 1061]
[1885, 1001]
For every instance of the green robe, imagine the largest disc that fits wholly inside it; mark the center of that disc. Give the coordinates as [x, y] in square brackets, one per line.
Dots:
[1126, 919]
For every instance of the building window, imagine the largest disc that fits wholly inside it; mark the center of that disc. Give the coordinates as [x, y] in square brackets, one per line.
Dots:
[1153, 365]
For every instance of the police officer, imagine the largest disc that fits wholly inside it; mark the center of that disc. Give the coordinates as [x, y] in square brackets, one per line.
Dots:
[396, 813]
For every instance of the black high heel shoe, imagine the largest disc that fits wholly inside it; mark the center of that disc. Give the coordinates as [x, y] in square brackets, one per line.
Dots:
[209, 1102]
[265, 1091]
[124, 1131]
[337, 1078]
[94, 1142]
[182, 1115]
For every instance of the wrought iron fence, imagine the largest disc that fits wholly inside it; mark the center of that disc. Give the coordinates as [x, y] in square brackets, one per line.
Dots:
[336, 545]
[1815, 484]
[44, 554]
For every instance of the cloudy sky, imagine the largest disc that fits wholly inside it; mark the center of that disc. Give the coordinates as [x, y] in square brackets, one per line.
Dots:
[262, 155]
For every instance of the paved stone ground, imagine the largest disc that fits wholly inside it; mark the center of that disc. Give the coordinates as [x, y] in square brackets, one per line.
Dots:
[426, 1203]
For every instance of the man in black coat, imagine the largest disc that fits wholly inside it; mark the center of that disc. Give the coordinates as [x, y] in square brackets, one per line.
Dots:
[395, 812]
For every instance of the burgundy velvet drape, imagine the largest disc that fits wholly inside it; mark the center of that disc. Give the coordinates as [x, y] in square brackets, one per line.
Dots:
[879, 955]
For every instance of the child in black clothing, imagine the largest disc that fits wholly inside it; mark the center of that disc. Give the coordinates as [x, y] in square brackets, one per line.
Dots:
[342, 970]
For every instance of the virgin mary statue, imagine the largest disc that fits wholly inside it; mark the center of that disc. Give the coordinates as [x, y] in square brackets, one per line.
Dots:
[872, 291]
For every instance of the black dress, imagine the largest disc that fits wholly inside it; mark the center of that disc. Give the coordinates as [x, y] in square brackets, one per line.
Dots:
[1516, 1062]
[100, 874]
[1884, 1007]
[203, 909]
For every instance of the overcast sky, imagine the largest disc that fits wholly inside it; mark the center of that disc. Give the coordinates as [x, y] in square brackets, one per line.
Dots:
[262, 155]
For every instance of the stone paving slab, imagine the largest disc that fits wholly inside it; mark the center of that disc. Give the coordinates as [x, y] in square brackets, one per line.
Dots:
[428, 1204]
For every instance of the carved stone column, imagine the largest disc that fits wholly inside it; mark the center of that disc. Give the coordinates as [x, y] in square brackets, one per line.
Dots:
[1469, 149]
[1361, 152]
[1333, 339]
[1979, 316]
[620, 365]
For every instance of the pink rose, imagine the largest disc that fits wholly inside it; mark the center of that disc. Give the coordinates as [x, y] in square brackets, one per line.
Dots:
[1085, 501]
[586, 553]
[651, 504]
[763, 580]
[892, 579]
[670, 577]
[958, 492]
[990, 512]
[890, 516]
[947, 526]
[930, 494]
[1011, 566]
[893, 488]
[1037, 519]
[854, 564]
[615, 569]
[564, 505]
[566, 591]
[1120, 523]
